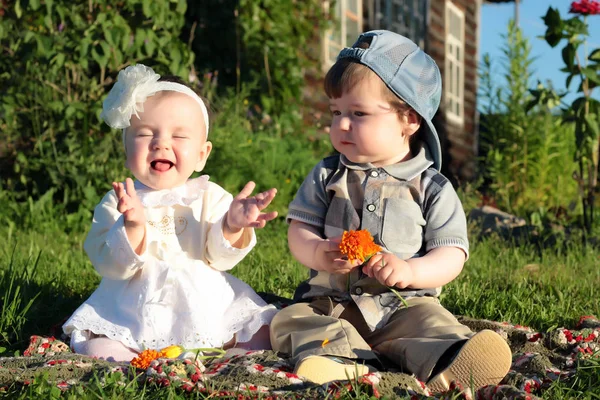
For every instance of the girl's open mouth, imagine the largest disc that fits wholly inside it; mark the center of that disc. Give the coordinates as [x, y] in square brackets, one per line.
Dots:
[161, 165]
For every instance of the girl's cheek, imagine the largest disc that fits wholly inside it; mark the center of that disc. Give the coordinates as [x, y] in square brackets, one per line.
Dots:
[184, 151]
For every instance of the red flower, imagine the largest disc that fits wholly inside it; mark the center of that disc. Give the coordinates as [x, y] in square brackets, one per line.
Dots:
[585, 7]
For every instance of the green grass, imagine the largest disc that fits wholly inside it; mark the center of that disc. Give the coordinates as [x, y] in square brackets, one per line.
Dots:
[45, 275]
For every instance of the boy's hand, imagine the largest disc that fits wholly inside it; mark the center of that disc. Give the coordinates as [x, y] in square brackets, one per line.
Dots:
[329, 258]
[389, 270]
[129, 204]
[245, 212]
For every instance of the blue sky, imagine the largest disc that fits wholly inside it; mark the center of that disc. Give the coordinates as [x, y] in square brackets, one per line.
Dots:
[494, 22]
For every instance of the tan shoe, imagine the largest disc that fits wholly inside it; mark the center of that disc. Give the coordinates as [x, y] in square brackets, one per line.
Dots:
[483, 360]
[323, 369]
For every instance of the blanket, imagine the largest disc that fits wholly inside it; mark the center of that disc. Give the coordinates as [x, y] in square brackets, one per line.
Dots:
[539, 359]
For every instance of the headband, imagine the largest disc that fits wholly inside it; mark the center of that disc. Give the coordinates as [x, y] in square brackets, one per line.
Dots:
[134, 85]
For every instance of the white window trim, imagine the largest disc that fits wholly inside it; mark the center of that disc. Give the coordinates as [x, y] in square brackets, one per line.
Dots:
[327, 56]
[449, 58]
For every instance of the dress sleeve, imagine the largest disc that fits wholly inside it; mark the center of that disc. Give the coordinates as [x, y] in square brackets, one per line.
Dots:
[446, 222]
[220, 254]
[107, 244]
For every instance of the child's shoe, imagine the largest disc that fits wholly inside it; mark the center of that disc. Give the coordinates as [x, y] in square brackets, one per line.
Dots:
[323, 369]
[483, 360]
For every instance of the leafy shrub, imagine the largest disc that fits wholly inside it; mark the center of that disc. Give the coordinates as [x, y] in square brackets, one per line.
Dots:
[268, 42]
[527, 159]
[58, 60]
[584, 112]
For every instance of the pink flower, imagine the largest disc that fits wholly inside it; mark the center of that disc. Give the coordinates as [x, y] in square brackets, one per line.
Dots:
[585, 7]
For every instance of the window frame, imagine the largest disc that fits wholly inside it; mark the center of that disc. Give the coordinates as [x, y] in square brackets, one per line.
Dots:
[380, 17]
[342, 17]
[454, 91]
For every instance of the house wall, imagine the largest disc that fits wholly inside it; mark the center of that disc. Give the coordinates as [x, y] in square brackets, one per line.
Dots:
[459, 140]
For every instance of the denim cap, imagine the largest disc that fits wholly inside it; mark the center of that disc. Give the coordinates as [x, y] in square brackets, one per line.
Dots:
[409, 72]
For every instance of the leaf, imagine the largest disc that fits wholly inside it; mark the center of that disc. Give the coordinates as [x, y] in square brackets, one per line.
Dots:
[100, 58]
[48, 22]
[552, 18]
[69, 111]
[140, 37]
[150, 43]
[553, 39]
[175, 55]
[181, 6]
[595, 55]
[35, 4]
[59, 60]
[18, 9]
[107, 29]
[554, 31]
[146, 8]
[568, 55]
[591, 74]
[592, 124]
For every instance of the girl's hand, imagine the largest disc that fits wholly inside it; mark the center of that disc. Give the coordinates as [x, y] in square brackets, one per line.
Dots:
[246, 212]
[129, 204]
[329, 258]
[389, 270]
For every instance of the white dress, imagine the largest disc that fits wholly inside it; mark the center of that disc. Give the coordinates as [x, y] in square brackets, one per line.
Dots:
[176, 292]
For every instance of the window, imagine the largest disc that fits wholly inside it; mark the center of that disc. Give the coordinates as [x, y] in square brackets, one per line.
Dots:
[454, 71]
[348, 16]
[406, 17]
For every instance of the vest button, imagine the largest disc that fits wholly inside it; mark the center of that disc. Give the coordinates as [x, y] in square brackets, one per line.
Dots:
[371, 207]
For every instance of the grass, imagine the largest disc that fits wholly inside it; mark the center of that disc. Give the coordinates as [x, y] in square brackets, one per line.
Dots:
[45, 275]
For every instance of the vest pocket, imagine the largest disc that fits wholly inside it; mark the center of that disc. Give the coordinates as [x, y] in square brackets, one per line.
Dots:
[402, 228]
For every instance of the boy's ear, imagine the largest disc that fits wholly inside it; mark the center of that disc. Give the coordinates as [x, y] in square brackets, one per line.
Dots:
[412, 123]
[203, 156]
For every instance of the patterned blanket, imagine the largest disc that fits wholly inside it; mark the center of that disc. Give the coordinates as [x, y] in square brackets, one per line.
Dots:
[539, 359]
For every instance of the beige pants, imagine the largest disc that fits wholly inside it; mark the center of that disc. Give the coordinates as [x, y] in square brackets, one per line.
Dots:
[414, 338]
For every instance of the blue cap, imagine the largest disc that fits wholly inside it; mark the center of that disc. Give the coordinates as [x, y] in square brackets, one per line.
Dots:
[409, 72]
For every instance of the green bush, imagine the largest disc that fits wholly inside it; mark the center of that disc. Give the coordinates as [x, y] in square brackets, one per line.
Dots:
[268, 42]
[58, 60]
[526, 162]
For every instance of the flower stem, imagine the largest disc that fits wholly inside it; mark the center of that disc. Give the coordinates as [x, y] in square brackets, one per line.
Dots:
[219, 353]
[402, 299]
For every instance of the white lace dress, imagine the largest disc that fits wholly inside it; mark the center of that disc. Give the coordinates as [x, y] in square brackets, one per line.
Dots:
[176, 292]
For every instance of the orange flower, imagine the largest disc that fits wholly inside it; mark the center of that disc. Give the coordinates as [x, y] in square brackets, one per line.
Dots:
[144, 359]
[358, 245]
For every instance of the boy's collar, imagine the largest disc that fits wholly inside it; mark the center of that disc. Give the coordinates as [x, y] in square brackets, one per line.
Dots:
[405, 170]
